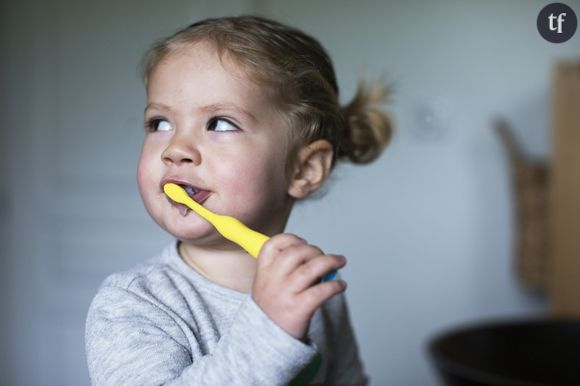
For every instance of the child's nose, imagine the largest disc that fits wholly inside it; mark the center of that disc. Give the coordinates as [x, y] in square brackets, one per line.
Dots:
[181, 149]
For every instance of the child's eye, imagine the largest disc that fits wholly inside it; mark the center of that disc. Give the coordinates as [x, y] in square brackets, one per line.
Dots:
[221, 124]
[158, 124]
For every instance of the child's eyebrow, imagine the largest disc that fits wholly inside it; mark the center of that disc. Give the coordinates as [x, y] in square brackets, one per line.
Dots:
[157, 106]
[221, 107]
[213, 108]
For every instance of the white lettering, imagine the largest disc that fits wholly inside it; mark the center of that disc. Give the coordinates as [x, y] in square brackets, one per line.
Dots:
[559, 20]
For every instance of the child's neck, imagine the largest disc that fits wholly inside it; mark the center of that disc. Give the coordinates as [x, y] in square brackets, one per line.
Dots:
[233, 269]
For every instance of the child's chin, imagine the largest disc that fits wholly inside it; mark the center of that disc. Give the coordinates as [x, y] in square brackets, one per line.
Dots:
[190, 232]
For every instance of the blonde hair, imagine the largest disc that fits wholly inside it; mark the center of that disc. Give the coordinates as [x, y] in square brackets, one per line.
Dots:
[299, 74]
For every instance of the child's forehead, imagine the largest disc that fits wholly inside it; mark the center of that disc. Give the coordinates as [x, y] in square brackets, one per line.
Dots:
[191, 58]
[201, 55]
[188, 67]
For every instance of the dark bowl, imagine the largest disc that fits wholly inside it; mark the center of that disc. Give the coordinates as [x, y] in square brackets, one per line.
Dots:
[514, 353]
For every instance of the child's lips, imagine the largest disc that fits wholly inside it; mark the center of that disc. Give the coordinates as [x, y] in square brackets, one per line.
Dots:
[199, 195]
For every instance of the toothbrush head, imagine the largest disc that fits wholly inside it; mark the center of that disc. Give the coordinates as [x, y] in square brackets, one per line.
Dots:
[176, 193]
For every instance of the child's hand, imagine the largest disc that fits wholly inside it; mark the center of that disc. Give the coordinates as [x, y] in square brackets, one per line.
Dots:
[287, 285]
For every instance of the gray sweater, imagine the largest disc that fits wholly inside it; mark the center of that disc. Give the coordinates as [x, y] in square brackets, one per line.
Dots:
[162, 323]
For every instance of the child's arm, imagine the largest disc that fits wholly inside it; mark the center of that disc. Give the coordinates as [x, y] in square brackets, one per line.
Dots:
[288, 289]
[134, 338]
[345, 367]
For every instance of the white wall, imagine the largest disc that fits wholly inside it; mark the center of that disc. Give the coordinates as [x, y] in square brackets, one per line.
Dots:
[428, 228]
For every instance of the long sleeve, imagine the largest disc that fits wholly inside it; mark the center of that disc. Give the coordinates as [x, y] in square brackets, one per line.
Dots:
[345, 368]
[132, 341]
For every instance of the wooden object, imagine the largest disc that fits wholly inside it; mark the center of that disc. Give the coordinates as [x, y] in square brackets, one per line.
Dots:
[530, 189]
[564, 230]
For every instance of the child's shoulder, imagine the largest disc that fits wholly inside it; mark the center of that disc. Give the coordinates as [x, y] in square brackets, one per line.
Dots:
[126, 278]
[154, 275]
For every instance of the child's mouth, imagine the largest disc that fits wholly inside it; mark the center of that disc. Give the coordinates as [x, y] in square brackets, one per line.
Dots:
[197, 194]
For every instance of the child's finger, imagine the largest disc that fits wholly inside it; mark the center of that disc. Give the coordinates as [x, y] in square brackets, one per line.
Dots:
[312, 298]
[294, 256]
[272, 247]
[313, 270]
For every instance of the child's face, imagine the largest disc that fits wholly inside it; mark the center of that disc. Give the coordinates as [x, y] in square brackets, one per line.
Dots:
[212, 128]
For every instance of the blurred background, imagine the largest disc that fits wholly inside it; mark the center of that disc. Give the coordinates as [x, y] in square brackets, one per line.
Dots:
[430, 229]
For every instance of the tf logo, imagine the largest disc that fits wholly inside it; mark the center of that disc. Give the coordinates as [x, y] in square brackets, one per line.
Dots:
[557, 22]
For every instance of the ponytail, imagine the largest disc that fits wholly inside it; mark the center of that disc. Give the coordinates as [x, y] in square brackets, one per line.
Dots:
[368, 128]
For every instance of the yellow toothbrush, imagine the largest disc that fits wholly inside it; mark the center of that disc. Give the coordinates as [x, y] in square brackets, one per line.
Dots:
[229, 227]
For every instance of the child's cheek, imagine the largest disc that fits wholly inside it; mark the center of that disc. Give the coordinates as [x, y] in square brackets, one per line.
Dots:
[245, 188]
[148, 171]
[143, 169]
[242, 181]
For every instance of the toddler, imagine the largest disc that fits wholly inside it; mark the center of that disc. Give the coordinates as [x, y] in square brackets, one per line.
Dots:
[243, 113]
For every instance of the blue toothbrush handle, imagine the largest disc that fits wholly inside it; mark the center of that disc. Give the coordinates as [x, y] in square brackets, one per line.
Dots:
[329, 276]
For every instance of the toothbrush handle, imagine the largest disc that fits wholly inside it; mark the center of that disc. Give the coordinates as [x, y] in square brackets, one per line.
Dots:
[329, 276]
[252, 241]
[234, 230]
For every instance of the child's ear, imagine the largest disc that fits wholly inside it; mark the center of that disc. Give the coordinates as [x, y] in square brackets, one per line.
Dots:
[311, 169]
